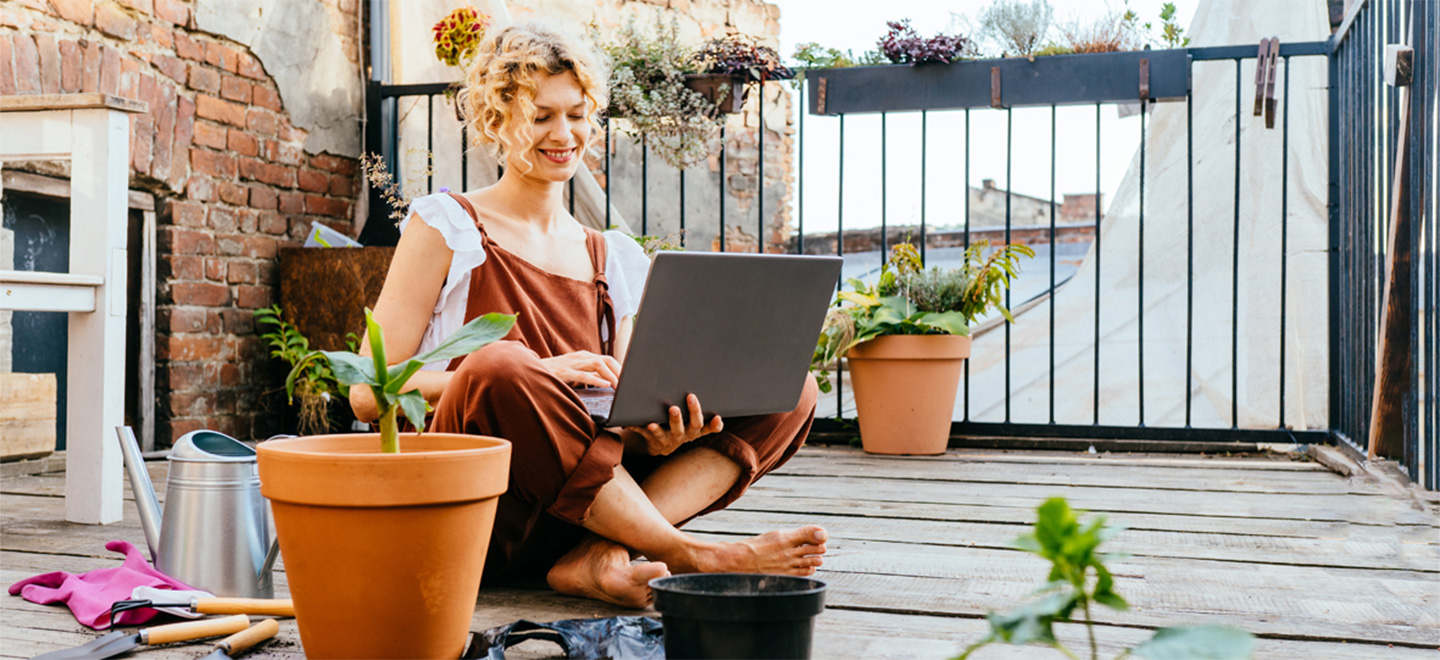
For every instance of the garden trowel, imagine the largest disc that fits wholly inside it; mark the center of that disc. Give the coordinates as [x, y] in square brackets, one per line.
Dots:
[240, 642]
[118, 642]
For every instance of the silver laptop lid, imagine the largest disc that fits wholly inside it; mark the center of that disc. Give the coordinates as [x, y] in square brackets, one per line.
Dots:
[737, 330]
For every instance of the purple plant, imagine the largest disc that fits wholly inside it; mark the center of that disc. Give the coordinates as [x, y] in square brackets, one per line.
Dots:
[742, 56]
[903, 45]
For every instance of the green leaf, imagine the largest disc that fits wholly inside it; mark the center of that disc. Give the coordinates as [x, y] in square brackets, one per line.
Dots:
[380, 375]
[295, 373]
[399, 374]
[470, 337]
[1198, 643]
[414, 406]
[1028, 543]
[351, 369]
[1033, 622]
[1112, 600]
[952, 323]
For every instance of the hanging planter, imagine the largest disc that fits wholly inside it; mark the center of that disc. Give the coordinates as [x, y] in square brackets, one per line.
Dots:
[724, 91]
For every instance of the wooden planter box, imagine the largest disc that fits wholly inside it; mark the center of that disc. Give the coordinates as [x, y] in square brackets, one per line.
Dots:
[1158, 75]
[324, 291]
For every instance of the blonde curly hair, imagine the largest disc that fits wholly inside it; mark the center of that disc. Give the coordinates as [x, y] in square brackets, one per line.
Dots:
[500, 86]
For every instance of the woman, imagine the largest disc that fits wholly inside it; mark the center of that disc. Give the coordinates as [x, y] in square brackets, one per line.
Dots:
[582, 499]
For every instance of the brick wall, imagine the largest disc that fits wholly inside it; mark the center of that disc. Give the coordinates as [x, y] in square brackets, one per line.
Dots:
[232, 179]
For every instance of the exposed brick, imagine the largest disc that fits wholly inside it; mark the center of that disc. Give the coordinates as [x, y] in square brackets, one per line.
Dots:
[211, 135]
[201, 189]
[143, 6]
[342, 186]
[317, 205]
[177, 427]
[312, 181]
[7, 67]
[235, 89]
[76, 11]
[271, 223]
[261, 247]
[249, 66]
[230, 245]
[223, 220]
[162, 36]
[174, 11]
[264, 199]
[209, 107]
[243, 143]
[191, 348]
[212, 163]
[49, 52]
[72, 66]
[248, 219]
[237, 322]
[215, 269]
[164, 132]
[260, 121]
[172, 67]
[184, 131]
[220, 55]
[185, 377]
[187, 213]
[230, 193]
[182, 319]
[90, 77]
[129, 78]
[188, 48]
[203, 78]
[252, 297]
[289, 133]
[206, 294]
[109, 70]
[265, 97]
[242, 272]
[278, 175]
[113, 20]
[289, 154]
[291, 204]
[27, 65]
[183, 267]
[143, 139]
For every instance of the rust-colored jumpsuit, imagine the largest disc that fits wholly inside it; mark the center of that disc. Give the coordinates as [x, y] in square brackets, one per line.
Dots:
[560, 457]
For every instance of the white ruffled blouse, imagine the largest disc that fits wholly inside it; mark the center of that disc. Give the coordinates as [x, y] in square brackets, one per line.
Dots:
[626, 268]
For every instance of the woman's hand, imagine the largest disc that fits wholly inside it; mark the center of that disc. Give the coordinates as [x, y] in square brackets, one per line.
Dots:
[584, 368]
[662, 441]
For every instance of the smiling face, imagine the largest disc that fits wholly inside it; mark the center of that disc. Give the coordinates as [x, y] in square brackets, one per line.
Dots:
[559, 133]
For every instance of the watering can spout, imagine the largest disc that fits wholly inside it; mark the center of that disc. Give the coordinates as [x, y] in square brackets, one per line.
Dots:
[145, 499]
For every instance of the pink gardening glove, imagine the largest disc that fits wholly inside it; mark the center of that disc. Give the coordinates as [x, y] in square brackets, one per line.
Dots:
[90, 595]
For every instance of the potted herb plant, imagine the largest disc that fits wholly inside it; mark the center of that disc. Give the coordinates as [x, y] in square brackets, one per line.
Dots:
[906, 337]
[727, 65]
[648, 93]
[384, 548]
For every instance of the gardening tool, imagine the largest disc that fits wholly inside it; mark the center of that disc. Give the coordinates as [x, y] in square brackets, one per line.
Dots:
[216, 531]
[242, 641]
[258, 606]
[118, 642]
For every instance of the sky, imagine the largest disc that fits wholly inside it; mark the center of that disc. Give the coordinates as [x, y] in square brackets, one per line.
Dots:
[857, 28]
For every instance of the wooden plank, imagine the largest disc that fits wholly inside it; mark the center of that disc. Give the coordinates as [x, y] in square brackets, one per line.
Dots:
[1337, 508]
[1118, 476]
[1164, 522]
[27, 415]
[34, 102]
[52, 186]
[1395, 361]
[1371, 550]
[1279, 462]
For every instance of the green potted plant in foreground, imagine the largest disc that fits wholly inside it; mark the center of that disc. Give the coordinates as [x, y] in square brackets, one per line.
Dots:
[1079, 578]
[906, 337]
[392, 538]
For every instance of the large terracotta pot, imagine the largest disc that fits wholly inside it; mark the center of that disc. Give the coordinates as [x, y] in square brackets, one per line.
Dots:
[384, 552]
[905, 391]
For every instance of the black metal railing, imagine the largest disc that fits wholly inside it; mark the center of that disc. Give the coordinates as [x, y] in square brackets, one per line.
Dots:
[1355, 251]
[1382, 203]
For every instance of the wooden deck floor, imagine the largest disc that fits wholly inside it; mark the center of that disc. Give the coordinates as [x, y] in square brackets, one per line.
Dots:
[1315, 564]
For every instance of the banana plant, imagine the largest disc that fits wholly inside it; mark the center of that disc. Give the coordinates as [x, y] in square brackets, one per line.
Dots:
[387, 382]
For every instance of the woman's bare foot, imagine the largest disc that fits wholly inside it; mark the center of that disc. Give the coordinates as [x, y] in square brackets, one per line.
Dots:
[600, 569]
[786, 551]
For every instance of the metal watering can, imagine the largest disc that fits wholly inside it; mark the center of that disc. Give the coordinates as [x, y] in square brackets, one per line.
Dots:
[216, 531]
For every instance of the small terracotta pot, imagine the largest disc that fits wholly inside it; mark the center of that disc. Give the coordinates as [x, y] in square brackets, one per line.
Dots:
[905, 391]
[384, 552]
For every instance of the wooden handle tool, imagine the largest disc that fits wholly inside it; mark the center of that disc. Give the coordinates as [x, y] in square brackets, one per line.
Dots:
[257, 606]
[180, 632]
[239, 642]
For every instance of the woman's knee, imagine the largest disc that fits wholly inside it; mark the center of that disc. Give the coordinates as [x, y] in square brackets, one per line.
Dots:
[499, 362]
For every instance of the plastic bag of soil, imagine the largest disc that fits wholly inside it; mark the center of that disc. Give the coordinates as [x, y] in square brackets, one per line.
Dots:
[617, 638]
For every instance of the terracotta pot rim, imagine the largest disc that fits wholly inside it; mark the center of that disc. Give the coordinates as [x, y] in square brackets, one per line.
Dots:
[303, 447]
[292, 470]
[912, 347]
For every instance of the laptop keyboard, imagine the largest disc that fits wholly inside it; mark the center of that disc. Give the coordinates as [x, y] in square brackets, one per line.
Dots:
[597, 402]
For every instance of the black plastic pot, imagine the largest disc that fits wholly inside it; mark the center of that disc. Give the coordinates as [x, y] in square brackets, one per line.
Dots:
[738, 615]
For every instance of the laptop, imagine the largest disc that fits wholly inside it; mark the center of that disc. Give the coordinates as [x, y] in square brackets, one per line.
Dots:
[737, 330]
